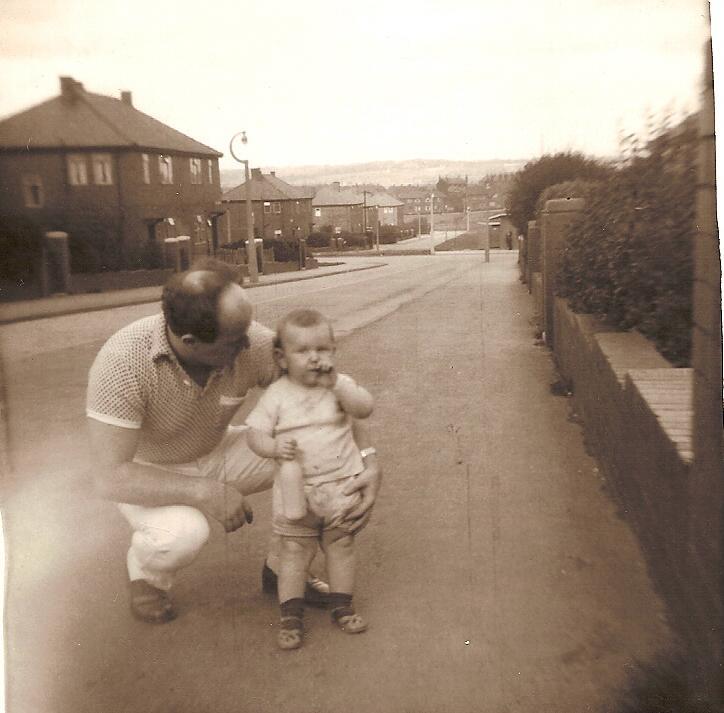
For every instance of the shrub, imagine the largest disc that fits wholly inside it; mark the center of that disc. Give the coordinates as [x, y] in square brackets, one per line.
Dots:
[536, 176]
[20, 247]
[354, 240]
[319, 240]
[628, 257]
[284, 250]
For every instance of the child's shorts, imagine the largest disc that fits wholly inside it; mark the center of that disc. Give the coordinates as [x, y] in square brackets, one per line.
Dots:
[326, 507]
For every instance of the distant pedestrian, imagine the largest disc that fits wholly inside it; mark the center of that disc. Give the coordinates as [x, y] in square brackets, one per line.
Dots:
[161, 395]
[509, 240]
[305, 421]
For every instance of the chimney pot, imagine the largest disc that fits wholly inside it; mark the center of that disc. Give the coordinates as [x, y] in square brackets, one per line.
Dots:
[335, 185]
[69, 88]
[255, 173]
[127, 98]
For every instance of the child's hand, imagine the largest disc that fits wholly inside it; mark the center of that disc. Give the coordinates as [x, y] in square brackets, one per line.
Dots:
[327, 375]
[285, 447]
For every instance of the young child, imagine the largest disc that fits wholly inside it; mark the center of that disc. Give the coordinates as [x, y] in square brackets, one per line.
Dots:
[304, 418]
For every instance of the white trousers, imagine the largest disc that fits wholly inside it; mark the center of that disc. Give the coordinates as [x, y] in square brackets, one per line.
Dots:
[169, 537]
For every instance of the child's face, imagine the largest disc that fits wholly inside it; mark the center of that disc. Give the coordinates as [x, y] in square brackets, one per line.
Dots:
[307, 352]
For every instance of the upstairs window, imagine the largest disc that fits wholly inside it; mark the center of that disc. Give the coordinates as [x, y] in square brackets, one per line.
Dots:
[195, 170]
[33, 195]
[146, 163]
[267, 207]
[277, 207]
[165, 169]
[317, 212]
[210, 170]
[77, 169]
[102, 175]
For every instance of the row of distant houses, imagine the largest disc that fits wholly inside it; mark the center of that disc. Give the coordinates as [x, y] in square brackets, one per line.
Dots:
[84, 156]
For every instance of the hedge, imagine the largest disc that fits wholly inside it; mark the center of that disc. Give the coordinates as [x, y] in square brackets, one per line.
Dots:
[628, 257]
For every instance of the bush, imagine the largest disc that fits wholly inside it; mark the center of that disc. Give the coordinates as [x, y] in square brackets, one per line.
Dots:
[319, 240]
[536, 176]
[354, 240]
[628, 258]
[284, 250]
[389, 234]
[20, 247]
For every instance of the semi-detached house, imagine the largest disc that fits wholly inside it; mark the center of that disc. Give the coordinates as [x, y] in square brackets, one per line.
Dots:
[87, 162]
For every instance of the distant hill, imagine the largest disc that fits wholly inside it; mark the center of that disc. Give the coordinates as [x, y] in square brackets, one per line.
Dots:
[384, 173]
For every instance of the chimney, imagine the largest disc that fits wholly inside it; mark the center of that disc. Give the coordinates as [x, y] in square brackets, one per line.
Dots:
[273, 173]
[256, 174]
[70, 89]
[127, 98]
[335, 185]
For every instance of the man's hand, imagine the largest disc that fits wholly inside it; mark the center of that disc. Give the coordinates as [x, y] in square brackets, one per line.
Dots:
[285, 447]
[227, 505]
[368, 483]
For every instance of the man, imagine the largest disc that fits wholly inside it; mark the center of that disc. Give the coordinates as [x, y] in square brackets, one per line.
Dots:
[161, 395]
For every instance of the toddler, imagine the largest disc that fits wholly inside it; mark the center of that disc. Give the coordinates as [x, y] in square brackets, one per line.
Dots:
[304, 420]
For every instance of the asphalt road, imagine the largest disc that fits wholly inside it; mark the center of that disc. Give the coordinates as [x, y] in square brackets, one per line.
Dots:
[496, 573]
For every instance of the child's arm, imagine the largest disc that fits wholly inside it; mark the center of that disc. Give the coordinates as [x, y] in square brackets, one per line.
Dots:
[266, 446]
[353, 398]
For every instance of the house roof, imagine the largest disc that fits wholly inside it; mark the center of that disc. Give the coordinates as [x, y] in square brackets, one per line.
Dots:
[79, 119]
[384, 200]
[335, 196]
[267, 187]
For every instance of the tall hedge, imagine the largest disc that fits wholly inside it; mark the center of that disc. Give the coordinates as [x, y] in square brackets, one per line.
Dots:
[628, 258]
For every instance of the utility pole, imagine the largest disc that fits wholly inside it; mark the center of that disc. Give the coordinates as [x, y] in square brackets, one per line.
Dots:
[432, 224]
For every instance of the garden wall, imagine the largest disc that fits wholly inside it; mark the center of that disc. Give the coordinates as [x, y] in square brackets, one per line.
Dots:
[637, 413]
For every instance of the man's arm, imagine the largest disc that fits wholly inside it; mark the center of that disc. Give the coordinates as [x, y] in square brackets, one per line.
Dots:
[368, 482]
[119, 479]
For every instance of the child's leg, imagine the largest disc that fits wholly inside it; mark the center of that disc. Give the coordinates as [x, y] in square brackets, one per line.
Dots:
[338, 546]
[295, 557]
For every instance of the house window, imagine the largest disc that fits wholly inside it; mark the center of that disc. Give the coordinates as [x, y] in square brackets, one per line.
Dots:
[277, 233]
[195, 168]
[317, 212]
[33, 192]
[146, 163]
[77, 170]
[165, 169]
[267, 207]
[210, 170]
[277, 207]
[102, 169]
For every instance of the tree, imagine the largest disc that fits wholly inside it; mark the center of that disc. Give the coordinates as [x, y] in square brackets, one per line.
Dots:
[536, 176]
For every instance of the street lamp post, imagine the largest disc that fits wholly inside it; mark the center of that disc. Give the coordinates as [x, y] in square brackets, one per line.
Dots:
[432, 224]
[250, 242]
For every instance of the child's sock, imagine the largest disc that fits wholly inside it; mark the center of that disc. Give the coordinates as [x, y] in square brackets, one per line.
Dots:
[292, 607]
[338, 600]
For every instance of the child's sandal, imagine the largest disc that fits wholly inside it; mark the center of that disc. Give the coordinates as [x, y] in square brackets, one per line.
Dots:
[291, 633]
[348, 620]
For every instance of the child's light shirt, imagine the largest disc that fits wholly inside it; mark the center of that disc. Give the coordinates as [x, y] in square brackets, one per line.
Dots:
[311, 415]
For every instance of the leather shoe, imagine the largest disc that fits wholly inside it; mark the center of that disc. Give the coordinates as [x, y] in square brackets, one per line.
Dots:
[149, 603]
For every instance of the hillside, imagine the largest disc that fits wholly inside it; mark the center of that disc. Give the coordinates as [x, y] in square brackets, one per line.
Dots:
[384, 173]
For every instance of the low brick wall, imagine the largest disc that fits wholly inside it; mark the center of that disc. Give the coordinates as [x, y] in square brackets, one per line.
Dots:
[637, 414]
[536, 291]
[120, 280]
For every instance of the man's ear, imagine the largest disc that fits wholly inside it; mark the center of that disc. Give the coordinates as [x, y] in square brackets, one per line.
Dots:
[280, 358]
[189, 340]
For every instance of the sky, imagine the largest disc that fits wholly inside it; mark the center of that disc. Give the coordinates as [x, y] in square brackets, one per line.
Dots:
[333, 82]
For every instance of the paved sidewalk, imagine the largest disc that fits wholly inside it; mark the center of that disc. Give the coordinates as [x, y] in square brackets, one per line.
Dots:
[496, 573]
[72, 304]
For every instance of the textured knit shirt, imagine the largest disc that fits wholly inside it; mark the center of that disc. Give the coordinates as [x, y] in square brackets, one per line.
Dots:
[137, 382]
[313, 416]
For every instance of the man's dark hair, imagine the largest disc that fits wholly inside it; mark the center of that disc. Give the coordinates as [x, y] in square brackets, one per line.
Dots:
[300, 318]
[190, 299]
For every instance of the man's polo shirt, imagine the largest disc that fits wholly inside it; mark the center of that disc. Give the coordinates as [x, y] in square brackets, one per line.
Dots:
[137, 382]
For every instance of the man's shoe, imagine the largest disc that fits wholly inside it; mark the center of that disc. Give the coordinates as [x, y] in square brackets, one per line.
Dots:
[150, 604]
[315, 591]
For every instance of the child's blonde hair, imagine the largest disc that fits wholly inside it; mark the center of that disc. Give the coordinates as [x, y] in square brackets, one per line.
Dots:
[300, 318]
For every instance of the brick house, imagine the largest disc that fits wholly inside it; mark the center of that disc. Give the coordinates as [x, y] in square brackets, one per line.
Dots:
[417, 200]
[340, 208]
[279, 210]
[84, 162]
[390, 210]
